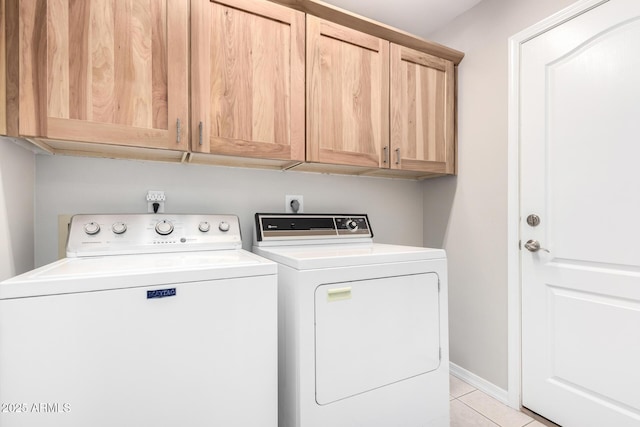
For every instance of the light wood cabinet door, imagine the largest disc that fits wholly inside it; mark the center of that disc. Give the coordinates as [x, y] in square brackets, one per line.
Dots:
[104, 71]
[422, 112]
[3, 70]
[347, 95]
[247, 79]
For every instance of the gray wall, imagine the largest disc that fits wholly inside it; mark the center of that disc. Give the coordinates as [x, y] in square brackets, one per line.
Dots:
[68, 185]
[17, 177]
[467, 214]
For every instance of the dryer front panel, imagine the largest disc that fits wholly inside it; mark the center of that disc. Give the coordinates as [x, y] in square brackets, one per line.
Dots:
[372, 333]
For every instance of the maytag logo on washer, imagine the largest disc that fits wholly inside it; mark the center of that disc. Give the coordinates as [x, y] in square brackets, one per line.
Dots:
[161, 293]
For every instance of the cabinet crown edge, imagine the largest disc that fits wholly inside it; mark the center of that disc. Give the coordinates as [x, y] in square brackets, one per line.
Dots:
[374, 28]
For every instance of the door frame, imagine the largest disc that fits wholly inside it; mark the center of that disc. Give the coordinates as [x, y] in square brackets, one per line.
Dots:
[514, 278]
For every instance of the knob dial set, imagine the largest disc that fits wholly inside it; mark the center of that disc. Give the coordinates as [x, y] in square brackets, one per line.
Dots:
[117, 234]
[93, 228]
[162, 227]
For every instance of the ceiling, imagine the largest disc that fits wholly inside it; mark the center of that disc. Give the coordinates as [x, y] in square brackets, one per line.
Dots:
[418, 17]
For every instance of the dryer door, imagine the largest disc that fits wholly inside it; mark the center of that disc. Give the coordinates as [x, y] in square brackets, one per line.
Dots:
[373, 333]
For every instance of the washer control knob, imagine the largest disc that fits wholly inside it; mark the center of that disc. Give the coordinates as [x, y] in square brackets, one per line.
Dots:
[352, 225]
[164, 227]
[204, 226]
[119, 227]
[92, 228]
[224, 226]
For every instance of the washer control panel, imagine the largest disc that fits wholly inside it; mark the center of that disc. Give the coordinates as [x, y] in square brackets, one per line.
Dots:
[119, 234]
[272, 227]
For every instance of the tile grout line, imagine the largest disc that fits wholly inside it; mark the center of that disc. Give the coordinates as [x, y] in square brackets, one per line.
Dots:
[464, 394]
[484, 416]
[479, 413]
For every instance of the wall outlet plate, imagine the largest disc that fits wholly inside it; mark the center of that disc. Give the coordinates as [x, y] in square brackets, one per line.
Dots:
[287, 203]
[155, 196]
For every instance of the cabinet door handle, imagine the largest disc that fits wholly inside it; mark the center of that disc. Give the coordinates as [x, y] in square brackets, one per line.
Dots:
[200, 133]
[385, 155]
[178, 132]
[397, 156]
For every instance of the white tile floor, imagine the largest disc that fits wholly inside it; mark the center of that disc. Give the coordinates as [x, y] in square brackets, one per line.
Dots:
[473, 408]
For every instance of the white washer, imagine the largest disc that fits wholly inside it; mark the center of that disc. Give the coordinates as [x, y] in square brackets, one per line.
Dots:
[363, 331]
[151, 320]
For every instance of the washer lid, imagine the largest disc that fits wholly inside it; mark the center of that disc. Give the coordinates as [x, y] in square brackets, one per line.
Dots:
[343, 255]
[88, 274]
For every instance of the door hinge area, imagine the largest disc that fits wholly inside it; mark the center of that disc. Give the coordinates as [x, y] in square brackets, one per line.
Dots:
[438, 284]
[440, 354]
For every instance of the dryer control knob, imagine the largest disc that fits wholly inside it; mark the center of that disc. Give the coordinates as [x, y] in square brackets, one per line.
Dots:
[164, 227]
[204, 226]
[352, 225]
[224, 226]
[92, 228]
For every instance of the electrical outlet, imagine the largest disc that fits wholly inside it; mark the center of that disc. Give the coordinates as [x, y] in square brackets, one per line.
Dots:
[155, 197]
[289, 199]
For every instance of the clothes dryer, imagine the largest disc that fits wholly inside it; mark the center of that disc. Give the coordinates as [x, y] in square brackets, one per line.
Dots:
[363, 335]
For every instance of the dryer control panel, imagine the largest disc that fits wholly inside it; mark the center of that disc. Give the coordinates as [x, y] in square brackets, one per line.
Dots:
[334, 227]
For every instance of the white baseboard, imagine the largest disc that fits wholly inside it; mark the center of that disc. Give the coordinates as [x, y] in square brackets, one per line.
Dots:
[481, 384]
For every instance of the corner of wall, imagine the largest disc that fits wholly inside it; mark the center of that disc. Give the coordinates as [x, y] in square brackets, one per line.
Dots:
[17, 208]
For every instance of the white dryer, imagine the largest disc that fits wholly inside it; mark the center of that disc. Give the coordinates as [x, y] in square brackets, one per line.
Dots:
[151, 320]
[363, 332]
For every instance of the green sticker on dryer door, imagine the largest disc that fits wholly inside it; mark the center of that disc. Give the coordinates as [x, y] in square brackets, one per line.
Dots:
[339, 294]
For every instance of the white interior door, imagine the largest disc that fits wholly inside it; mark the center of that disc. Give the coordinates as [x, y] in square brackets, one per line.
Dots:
[580, 173]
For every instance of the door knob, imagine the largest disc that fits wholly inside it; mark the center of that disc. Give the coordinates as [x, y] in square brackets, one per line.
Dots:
[534, 246]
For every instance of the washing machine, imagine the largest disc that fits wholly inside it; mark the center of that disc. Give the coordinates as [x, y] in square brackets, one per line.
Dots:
[151, 320]
[363, 332]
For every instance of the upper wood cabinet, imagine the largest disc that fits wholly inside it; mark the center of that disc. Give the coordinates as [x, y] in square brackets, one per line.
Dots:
[422, 112]
[347, 95]
[247, 76]
[3, 69]
[113, 72]
[280, 83]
